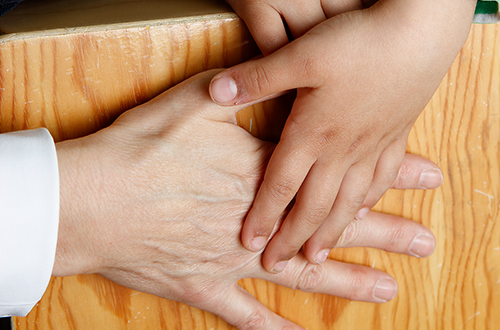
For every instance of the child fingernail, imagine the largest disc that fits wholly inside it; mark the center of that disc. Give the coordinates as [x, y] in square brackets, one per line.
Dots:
[223, 90]
[321, 256]
[422, 246]
[431, 179]
[258, 243]
[362, 213]
[280, 266]
[385, 290]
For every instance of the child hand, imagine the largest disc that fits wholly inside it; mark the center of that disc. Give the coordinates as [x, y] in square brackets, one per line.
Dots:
[363, 77]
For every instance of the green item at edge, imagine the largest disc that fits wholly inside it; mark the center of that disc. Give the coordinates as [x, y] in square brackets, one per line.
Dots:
[487, 12]
[487, 7]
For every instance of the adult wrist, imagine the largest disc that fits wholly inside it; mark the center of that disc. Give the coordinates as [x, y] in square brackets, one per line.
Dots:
[77, 227]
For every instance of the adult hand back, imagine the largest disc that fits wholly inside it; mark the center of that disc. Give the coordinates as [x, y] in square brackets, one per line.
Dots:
[156, 203]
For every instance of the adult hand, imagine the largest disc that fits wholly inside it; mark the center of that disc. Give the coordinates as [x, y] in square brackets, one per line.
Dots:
[363, 77]
[156, 203]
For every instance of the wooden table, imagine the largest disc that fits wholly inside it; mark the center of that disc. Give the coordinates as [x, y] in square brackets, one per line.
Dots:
[74, 66]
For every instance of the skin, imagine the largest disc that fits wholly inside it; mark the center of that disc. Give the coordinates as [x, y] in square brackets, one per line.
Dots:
[363, 70]
[156, 203]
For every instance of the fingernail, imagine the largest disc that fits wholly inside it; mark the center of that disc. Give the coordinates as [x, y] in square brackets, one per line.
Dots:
[362, 213]
[258, 243]
[280, 266]
[422, 246]
[430, 179]
[385, 290]
[321, 256]
[223, 90]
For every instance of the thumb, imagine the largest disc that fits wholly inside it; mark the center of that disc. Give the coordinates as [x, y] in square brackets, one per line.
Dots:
[191, 96]
[188, 98]
[257, 79]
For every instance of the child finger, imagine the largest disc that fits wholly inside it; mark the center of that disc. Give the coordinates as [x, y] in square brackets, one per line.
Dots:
[348, 202]
[312, 206]
[286, 171]
[301, 19]
[264, 23]
[386, 172]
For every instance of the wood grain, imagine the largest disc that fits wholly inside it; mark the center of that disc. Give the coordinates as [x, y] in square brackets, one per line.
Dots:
[75, 83]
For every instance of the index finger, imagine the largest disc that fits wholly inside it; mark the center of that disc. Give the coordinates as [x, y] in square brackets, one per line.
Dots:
[284, 176]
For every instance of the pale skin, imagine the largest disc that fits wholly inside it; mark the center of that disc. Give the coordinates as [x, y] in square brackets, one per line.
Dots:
[363, 70]
[156, 203]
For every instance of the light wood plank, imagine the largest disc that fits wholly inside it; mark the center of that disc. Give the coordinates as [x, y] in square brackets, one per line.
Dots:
[76, 82]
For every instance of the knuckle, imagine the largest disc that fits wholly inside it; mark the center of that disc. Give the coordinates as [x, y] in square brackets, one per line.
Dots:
[314, 216]
[308, 65]
[317, 140]
[351, 203]
[362, 144]
[193, 298]
[387, 173]
[356, 284]
[287, 246]
[356, 144]
[390, 176]
[197, 294]
[281, 192]
[325, 137]
[258, 80]
[310, 278]
[396, 237]
[255, 321]
[406, 173]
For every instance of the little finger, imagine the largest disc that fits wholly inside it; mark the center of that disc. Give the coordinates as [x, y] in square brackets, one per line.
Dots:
[386, 172]
[242, 310]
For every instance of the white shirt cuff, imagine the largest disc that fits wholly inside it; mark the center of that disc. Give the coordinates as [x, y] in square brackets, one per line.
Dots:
[29, 218]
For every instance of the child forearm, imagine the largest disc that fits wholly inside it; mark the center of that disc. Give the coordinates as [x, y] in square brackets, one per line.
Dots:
[443, 25]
